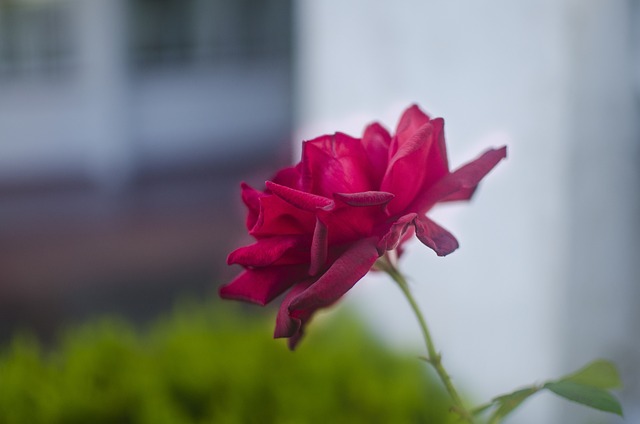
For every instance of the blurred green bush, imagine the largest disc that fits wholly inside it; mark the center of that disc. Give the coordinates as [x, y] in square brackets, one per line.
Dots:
[208, 364]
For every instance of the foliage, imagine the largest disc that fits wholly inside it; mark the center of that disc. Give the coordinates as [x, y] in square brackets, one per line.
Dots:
[588, 386]
[206, 366]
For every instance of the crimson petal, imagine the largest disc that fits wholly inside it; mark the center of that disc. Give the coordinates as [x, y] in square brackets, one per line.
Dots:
[289, 177]
[407, 169]
[411, 120]
[319, 248]
[434, 236]
[300, 199]
[262, 285]
[392, 238]
[344, 273]
[278, 217]
[251, 198]
[437, 165]
[376, 141]
[348, 223]
[335, 164]
[365, 198]
[460, 184]
[287, 325]
[265, 251]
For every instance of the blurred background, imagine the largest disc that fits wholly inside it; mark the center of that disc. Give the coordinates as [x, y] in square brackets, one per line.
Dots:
[126, 126]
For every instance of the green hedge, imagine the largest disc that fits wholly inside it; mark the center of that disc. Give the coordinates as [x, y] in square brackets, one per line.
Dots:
[206, 366]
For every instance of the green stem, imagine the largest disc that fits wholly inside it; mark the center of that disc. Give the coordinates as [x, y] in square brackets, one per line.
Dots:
[433, 357]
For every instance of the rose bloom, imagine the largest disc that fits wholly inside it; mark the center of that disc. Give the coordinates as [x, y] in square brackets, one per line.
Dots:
[321, 225]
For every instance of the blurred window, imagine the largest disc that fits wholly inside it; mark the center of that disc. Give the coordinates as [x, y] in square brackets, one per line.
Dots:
[183, 32]
[35, 38]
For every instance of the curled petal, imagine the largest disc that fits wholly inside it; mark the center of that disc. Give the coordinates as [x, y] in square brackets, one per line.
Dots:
[262, 285]
[347, 270]
[266, 251]
[251, 198]
[460, 184]
[319, 247]
[434, 236]
[349, 223]
[300, 199]
[288, 325]
[306, 297]
[437, 165]
[407, 170]
[278, 217]
[408, 235]
[376, 141]
[411, 120]
[392, 238]
[366, 198]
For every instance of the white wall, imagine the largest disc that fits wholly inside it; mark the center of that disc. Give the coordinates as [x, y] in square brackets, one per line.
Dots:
[496, 70]
[602, 313]
[547, 276]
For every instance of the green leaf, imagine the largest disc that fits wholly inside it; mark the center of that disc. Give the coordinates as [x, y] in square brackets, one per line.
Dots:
[507, 403]
[600, 373]
[592, 396]
[482, 408]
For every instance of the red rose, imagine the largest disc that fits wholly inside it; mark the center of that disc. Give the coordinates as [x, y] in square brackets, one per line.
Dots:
[322, 224]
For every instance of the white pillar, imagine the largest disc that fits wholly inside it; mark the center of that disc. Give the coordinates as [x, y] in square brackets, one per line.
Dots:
[602, 312]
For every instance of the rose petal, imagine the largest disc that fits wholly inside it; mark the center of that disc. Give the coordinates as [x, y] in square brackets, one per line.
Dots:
[294, 314]
[411, 120]
[407, 169]
[437, 165]
[460, 184]
[335, 164]
[286, 325]
[376, 141]
[434, 236]
[319, 248]
[293, 341]
[408, 235]
[462, 194]
[366, 198]
[278, 218]
[262, 285]
[267, 251]
[349, 223]
[346, 271]
[251, 198]
[289, 177]
[300, 199]
[392, 238]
